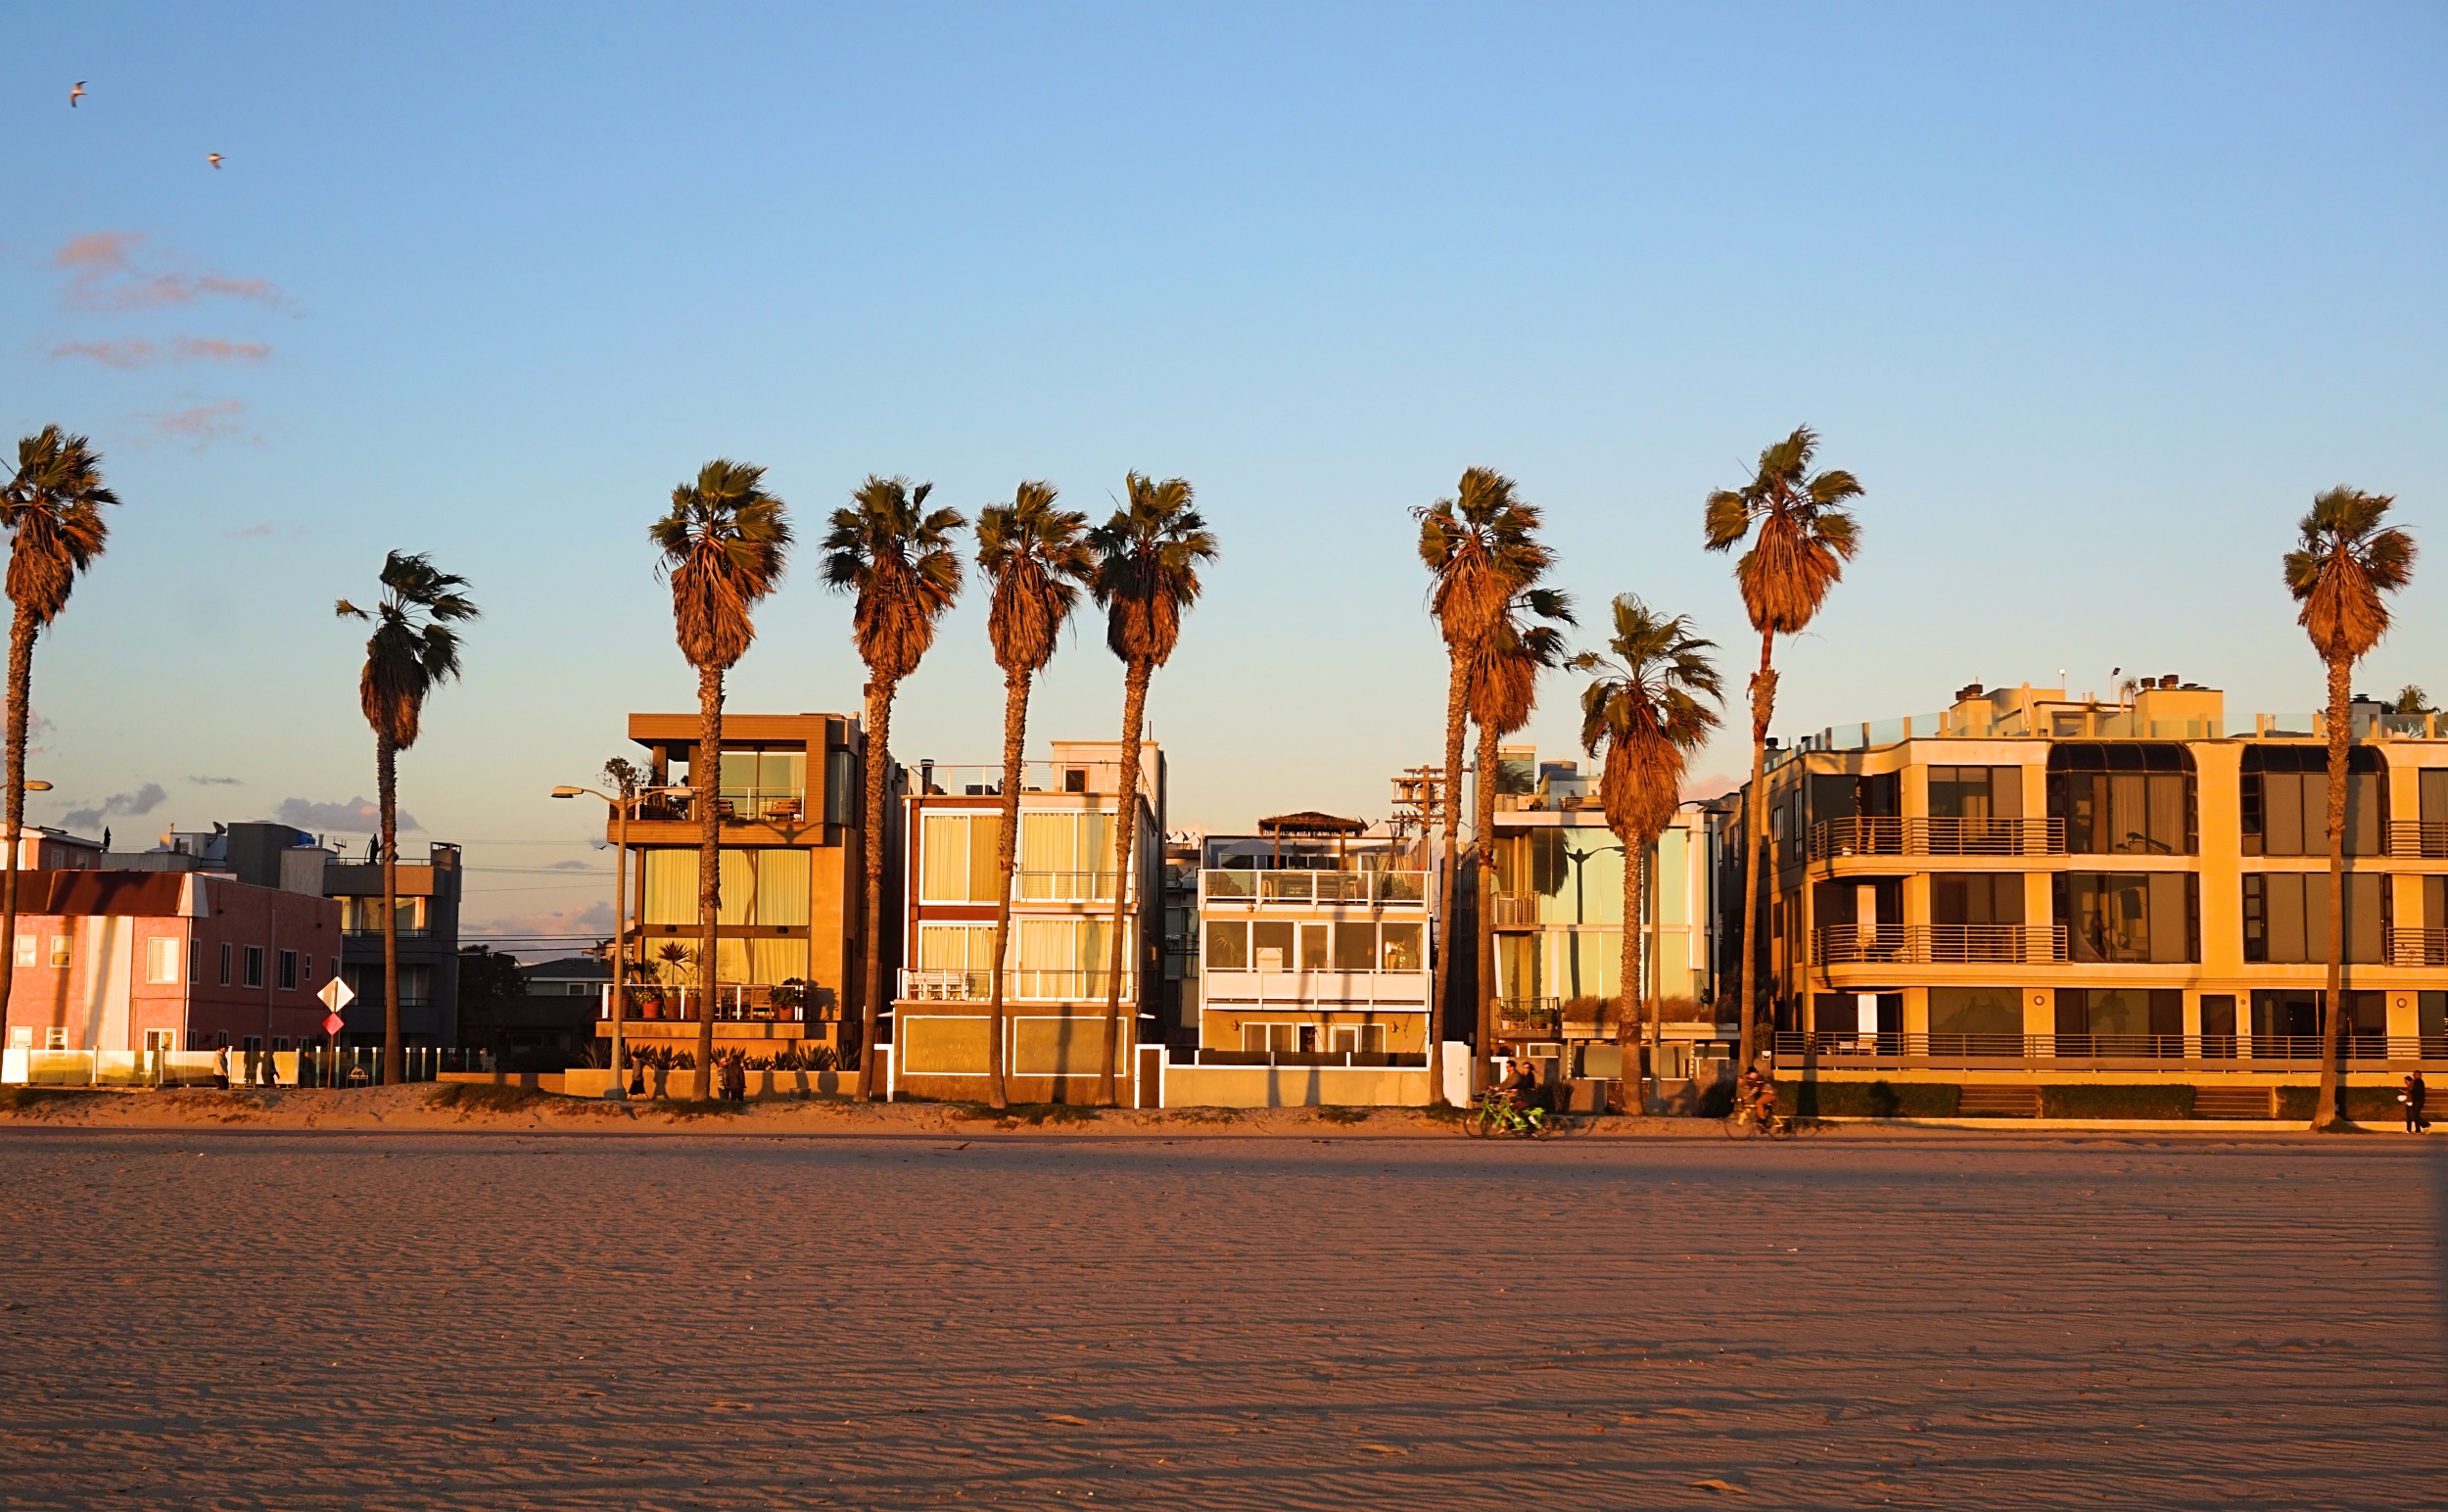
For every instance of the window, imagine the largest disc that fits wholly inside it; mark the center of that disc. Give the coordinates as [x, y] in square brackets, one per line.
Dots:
[1270, 945]
[254, 977]
[2144, 915]
[1064, 858]
[160, 1041]
[1313, 953]
[2127, 798]
[1976, 898]
[1398, 947]
[2086, 1015]
[162, 959]
[287, 971]
[2286, 917]
[841, 789]
[956, 859]
[1365, 1039]
[580, 989]
[225, 952]
[305, 968]
[62, 951]
[765, 786]
[1228, 945]
[280, 1042]
[27, 950]
[1994, 1016]
[1976, 792]
[1272, 1037]
[364, 915]
[2285, 798]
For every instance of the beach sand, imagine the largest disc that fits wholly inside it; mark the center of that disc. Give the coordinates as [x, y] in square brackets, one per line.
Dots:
[227, 1317]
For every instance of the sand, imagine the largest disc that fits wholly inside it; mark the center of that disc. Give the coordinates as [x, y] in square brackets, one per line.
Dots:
[227, 1317]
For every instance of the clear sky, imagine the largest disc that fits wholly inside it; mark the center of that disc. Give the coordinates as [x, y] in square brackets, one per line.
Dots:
[2093, 299]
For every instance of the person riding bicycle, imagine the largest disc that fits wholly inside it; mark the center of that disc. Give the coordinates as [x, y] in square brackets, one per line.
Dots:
[1758, 1095]
[1522, 1085]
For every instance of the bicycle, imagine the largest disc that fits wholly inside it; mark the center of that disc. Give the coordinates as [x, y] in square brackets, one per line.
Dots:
[1746, 1123]
[1497, 1112]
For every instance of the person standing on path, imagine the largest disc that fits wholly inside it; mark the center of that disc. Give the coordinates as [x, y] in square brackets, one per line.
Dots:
[2413, 1097]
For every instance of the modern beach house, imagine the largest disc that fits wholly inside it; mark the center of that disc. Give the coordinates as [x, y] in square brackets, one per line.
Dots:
[2029, 889]
[1058, 958]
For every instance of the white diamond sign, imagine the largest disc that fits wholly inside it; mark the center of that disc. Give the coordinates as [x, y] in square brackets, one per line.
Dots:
[336, 995]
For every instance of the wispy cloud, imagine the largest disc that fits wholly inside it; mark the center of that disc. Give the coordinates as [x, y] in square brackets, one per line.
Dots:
[144, 800]
[571, 866]
[200, 425]
[593, 920]
[104, 274]
[136, 352]
[217, 782]
[358, 816]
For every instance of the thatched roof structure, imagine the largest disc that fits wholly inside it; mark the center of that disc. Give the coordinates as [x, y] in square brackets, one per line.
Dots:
[1310, 821]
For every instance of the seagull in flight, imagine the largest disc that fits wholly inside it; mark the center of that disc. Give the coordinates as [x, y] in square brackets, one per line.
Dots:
[76, 93]
[213, 157]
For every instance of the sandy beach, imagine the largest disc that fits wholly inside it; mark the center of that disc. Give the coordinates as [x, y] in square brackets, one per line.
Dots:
[224, 1318]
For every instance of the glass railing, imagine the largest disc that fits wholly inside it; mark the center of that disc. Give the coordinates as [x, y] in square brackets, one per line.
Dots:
[1329, 889]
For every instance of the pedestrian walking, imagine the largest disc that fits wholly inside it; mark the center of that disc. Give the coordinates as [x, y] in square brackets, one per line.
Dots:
[2413, 1097]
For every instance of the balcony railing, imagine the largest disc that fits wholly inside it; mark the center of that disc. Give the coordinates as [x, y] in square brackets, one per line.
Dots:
[1939, 944]
[1530, 1016]
[1062, 887]
[1884, 837]
[1309, 889]
[374, 932]
[732, 805]
[734, 1003]
[2412, 841]
[1516, 911]
[1019, 985]
[1848, 1051]
[2418, 947]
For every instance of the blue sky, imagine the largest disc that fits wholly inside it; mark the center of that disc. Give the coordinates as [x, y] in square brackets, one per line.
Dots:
[2093, 298]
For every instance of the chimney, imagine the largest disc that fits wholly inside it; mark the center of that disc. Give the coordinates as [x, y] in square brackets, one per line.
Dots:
[1967, 691]
[2169, 682]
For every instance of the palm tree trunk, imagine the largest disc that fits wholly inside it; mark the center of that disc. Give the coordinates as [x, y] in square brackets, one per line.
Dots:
[387, 794]
[876, 768]
[1440, 963]
[1125, 832]
[1483, 864]
[1754, 839]
[2326, 1106]
[22, 630]
[1648, 995]
[1626, 987]
[1006, 855]
[705, 775]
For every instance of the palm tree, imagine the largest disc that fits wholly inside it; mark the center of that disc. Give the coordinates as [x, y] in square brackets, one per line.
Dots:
[898, 559]
[1803, 538]
[1480, 547]
[2410, 699]
[52, 508]
[1037, 556]
[412, 651]
[1643, 704]
[2338, 571]
[722, 547]
[1148, 557]
[1504, 690]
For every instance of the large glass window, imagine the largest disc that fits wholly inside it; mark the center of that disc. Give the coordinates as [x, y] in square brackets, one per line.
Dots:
[1228, 945]
[2128, 798]
[1355, 947]
[1976, 898]
[2141, 916]
[2285, 798]
[1270, 945]
[1976, 792]
[1994, 1015]
[1399, 947]
[2155, 1013]
[957, 858]
[1065, 858]
[2286, 917]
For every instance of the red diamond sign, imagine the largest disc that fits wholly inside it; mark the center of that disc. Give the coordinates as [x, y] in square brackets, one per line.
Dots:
[332, 1025]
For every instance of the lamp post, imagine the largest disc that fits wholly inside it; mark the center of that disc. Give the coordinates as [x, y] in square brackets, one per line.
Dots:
[620, 907]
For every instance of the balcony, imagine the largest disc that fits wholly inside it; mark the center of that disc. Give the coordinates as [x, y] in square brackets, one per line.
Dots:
[1314, 889]
[732, 805]
[1019, 985]
[2294, 1053]
[1834, 838]
[1940, 944]
[1516, 911]
[734, 1003]
[2418, 947]
[2412, 841]
[1062, 887]
[1525, 1017]
[1396, 989]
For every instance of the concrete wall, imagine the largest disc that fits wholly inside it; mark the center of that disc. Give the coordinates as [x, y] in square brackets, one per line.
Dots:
[1294, 1086]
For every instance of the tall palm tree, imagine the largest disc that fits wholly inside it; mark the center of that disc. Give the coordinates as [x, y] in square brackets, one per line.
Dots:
[1643, 704]
[892, 552]
[1481, 548]
[2345, 560]
[412, 651]
[52, 510]
[1037, 557]
[724, 543]
[1801, 534]
[1504, 690]
[1148, 557]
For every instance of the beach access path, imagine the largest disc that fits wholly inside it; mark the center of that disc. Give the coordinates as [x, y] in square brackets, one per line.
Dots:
[231, 1318]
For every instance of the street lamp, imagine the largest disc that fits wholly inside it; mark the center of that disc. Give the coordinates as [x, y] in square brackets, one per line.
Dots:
[620, 928]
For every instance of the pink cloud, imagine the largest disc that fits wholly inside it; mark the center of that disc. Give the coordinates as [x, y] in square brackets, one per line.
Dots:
[136, 352]
[104, 276]
[133, 352]
[202, 425]
[592, 919]
[212, 349]
[1714, 785]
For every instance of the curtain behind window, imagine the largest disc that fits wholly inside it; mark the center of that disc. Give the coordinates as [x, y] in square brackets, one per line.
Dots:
[671, 886]
[944, 861]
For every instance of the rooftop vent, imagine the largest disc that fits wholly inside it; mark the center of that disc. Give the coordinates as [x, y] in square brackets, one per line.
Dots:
[1969, 690]
[2170, 680]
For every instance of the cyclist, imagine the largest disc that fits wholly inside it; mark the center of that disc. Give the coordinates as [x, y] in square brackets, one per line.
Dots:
[1759, 1094]
[1522, 1086]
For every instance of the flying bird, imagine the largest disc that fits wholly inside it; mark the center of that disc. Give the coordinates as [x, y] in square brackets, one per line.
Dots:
[213, 157]
[75, 94]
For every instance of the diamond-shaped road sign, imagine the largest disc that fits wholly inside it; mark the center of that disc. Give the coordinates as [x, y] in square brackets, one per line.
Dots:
[332, 1025]
[336, 995]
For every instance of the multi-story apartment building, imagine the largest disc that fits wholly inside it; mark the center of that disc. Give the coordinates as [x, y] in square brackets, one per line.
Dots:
[1314, 946]
[788, 931]
[1056, 959]
[2036, 887]
[1558, 924]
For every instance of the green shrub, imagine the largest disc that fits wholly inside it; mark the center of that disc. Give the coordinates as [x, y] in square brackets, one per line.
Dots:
[2116, 1100]
[2367, 1103]
[484, 1096]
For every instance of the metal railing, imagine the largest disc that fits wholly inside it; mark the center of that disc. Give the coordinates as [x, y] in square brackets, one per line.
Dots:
[2409, 840]
[1516, 911]
[734, 1003]
[1849, 1049]
[1079, 778]
[732, 805]
[1311, 889]
[1062, 887]
[1831, 838]
[1019, 985]
[1303, 1059]
[1939, 944]
[1530, 1016]
[2418, 947]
